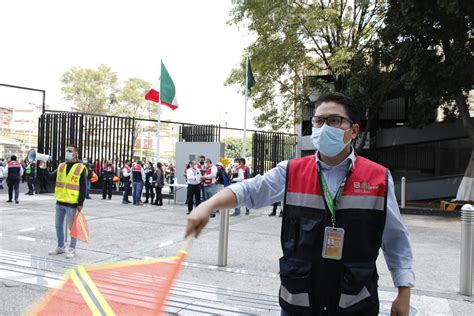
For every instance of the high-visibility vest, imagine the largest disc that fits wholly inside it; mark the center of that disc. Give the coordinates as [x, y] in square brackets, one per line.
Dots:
[67, 185]
[309, 282]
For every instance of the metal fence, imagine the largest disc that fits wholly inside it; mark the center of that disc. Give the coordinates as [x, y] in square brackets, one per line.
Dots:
[102, 137]
[97, 137]
[200, 133]
[269, 149]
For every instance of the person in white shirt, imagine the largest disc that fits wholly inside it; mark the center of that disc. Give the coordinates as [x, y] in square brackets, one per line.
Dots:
[2, 173]
[193, 178]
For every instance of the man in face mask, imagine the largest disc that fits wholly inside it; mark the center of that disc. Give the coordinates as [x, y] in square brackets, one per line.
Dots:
[339, 210]
[70, 193]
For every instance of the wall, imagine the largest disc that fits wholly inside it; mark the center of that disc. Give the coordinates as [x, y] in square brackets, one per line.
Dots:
[214, 151]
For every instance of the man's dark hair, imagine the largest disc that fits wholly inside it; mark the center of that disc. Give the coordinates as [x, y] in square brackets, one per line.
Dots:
[341, 99]
[13, 158]
[73, 146]
[242, 161]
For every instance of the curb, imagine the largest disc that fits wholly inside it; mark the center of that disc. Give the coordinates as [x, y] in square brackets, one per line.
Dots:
[430, 212]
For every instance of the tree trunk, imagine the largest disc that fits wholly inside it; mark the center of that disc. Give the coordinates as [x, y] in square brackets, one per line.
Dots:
[466, 188]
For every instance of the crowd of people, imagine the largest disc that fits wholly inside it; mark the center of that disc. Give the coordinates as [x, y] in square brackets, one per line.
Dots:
[35, 174]
[205, 179]
[141, 176]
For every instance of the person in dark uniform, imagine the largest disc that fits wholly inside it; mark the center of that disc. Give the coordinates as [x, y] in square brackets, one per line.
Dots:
[108, 174]
[31, 176]
[340, 209]
[126, 175]
[42, 176]
[149, 172]
[160, 183]
[15, 173]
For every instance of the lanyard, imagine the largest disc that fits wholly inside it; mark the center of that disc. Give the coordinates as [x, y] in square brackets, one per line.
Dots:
[332, 204]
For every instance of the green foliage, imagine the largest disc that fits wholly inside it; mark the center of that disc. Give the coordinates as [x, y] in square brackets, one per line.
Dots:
[432, 55]
[233, 147]
[91, 90]
[300, 37]
[131, 100]
[98, 91]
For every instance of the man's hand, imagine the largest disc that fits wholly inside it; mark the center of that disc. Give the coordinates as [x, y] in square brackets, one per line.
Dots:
[79, 208]
[198, 219]
[401, 304]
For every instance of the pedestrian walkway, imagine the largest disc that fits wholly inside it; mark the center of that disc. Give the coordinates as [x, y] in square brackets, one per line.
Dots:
[248, 285]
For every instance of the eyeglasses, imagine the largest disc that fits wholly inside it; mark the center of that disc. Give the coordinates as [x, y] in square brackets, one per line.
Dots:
[332, 120]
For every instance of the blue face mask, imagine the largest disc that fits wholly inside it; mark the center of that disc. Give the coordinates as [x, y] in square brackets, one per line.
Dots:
[328, 140]
[68, 156]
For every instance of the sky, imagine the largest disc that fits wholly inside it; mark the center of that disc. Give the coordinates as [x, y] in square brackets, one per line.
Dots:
[43, 39]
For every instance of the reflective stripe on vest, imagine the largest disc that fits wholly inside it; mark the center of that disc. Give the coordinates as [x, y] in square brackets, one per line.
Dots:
[68, 185]
[299, 299]
[14, 170]
[361, 213]
[359, 192]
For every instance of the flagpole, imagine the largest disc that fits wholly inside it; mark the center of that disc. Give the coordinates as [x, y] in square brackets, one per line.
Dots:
[158, 127]
[244, 140]
[158, 123]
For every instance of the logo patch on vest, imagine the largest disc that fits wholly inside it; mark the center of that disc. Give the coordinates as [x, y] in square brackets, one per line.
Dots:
[365, 187]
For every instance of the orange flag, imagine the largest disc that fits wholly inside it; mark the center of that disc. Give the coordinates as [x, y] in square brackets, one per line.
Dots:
[120, 288]
[79, 229]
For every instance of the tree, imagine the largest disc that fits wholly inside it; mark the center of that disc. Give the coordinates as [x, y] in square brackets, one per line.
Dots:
[432, 51]
[300, 37]
[91, 90]
[131, 101]
[370, 85]
[233, 147]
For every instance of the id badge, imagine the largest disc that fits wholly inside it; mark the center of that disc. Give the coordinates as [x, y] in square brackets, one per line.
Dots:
[333, 242]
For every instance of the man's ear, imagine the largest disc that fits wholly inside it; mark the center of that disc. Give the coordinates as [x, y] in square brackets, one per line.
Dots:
[355, 131]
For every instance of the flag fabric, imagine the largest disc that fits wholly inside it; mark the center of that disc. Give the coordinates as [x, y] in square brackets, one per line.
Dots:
[153, 95]
[79, 229]
[119, 288]
[167, 89]
[250, 79]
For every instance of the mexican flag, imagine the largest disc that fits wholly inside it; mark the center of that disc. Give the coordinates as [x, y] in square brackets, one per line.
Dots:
[166, 92]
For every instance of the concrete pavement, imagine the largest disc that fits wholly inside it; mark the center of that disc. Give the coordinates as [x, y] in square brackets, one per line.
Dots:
[124, 232]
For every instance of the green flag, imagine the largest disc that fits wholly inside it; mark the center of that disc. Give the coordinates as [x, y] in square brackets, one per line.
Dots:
[167, 89]
[249, 75]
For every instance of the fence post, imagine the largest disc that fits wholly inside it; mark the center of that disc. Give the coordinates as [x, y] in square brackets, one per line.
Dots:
[223, 238]
[403, 191]
[467, 250]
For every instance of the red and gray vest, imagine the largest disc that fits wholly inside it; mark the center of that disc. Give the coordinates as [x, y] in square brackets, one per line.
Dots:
[244, 170]
[311, 284]
[137, 173]
[14, 170]
[208, 172]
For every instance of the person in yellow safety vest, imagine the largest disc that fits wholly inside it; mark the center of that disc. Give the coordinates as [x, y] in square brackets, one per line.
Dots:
[70, 193]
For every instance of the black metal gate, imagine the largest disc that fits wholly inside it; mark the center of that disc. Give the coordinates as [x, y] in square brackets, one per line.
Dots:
[269, 149]
[200, 133]
[98, 137]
